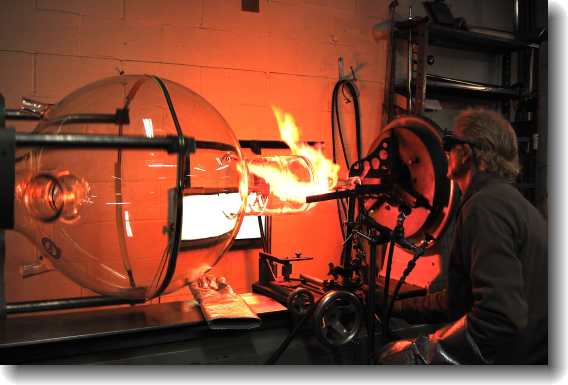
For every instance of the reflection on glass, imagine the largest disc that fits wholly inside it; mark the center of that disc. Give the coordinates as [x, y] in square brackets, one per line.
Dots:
[203, 220]
[107, 218]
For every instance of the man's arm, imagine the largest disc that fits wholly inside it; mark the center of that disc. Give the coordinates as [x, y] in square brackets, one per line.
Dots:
[499, 309]
[431, 308]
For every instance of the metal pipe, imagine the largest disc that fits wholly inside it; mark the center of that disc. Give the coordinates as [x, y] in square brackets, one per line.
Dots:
[119, 117]
[371, 289]
[168, 143]
[253, 144]
[358, 190]
[409, 62]
[328, 196]
[314, 288]
[21, 115]
[278, 352]
[67, 303]
[312, 280]
[516, 25]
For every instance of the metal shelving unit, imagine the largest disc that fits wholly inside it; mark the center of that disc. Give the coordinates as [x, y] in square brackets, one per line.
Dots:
[423, 34]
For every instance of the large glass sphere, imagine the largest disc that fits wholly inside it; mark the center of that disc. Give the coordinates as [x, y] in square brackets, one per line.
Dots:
[110, 218]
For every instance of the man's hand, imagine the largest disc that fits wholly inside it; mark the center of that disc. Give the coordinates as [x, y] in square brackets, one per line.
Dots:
[449, 345]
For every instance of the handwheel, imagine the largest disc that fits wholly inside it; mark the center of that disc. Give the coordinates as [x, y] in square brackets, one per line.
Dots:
[337, 318]
[300, 301]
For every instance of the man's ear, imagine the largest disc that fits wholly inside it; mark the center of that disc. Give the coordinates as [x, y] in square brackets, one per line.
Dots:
[467, 154]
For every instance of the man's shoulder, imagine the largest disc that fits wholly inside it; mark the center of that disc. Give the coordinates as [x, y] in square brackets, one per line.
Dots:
[502, 200]
[496, 194]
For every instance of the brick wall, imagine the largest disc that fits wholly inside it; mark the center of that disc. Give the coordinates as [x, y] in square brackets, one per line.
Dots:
[242, 62]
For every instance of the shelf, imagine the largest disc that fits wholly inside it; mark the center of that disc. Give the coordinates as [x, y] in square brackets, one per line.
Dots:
[526, 186]
[525, 128]
[443, 83]
[465, 40]
[441, 86]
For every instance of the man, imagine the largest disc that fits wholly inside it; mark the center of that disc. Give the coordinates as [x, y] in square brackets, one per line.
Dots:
[496, 299]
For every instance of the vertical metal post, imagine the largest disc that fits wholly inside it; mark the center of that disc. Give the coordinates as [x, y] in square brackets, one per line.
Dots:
[372, 286]
[267, 242]
[541, 178]
[388, 99]
[506, 82]
[4, 184]
[516, 18]
[421, 40]
[410, 62]
[268, 233]
[348, 246]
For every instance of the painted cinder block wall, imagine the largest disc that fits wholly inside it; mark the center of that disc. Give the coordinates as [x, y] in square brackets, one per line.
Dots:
[241, 62]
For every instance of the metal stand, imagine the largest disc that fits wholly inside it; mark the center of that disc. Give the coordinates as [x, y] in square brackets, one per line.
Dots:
[376, 236]
[347, 275]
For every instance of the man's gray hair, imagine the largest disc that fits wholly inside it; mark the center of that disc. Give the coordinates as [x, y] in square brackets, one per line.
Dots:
[497, 148]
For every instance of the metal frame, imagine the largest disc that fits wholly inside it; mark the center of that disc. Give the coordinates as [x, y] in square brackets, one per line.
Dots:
[425, 33]
[9, 141]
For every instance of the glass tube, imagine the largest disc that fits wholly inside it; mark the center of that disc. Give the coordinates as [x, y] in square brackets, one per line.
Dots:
[278, 185]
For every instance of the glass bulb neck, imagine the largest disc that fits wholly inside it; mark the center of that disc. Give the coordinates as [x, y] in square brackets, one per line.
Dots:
[47, 197]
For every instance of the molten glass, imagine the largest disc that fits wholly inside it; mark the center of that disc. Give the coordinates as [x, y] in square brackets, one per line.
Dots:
[280, 184]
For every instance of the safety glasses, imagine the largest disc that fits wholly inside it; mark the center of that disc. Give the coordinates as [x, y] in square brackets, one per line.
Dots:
[451, 140]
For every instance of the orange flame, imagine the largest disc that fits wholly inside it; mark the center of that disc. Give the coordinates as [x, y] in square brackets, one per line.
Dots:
[286, 185]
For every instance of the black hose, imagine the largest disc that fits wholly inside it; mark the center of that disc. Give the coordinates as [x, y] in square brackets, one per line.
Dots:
[335, 118]
[409, 267]
[386, 330]
[278, 352]
[339, 86]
